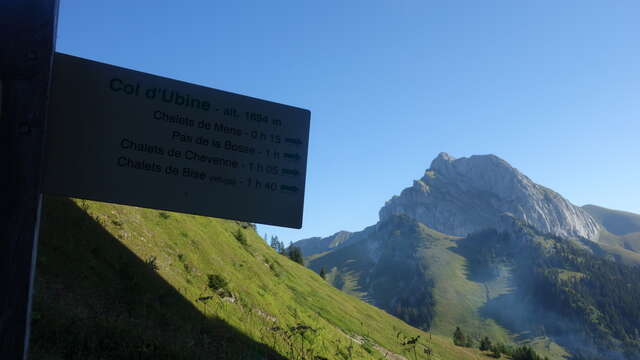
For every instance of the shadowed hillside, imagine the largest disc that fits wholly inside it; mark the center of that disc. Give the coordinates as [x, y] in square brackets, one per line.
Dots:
[119, 282]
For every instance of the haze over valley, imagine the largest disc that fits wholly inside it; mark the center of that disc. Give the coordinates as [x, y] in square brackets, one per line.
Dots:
[475, 244]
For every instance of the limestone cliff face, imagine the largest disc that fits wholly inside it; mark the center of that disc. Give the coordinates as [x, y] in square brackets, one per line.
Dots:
[460, 196]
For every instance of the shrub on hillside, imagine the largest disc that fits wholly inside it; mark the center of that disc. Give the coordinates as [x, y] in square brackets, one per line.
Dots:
[216, 282]
[239, 235]
[152, 263]
[485, 344]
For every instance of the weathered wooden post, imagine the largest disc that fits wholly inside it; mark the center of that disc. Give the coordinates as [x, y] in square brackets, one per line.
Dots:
[27, 43]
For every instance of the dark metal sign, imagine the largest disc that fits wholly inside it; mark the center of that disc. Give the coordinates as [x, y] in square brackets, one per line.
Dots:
[128, 137]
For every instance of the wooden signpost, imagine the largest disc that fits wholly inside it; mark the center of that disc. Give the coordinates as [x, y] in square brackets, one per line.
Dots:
[80, 128]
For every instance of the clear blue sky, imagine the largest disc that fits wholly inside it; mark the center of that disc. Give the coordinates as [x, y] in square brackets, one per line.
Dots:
[553, 87]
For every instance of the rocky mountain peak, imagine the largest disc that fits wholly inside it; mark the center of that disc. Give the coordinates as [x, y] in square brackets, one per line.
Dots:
[460, 196]
[442, 161]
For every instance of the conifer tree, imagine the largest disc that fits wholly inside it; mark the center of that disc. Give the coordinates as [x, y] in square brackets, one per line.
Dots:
[277, 245]
[294, 253]
[485, 344]
[458, 337]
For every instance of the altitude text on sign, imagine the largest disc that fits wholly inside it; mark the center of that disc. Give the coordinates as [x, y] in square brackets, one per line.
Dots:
[124, 136]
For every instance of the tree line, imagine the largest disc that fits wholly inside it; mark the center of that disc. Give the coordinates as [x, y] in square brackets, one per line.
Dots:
[292, 252]
[496, 350]
[595, 296]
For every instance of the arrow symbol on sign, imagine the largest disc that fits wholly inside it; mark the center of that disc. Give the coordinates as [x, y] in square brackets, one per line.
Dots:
[293, 141]
[292, 172]
[289, 156]
[288, 188]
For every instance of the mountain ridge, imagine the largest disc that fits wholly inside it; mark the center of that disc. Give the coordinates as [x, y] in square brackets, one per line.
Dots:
[460, 196]
[616, 222]
[474, 238]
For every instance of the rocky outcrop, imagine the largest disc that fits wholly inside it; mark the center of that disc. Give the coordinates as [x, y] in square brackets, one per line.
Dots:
[460, 196]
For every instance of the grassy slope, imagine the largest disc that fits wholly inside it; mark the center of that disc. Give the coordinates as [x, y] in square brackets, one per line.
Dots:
[458, 299]
[614, 246]
[621, 232]
[99, 295]
[617, 222]
[317, 245]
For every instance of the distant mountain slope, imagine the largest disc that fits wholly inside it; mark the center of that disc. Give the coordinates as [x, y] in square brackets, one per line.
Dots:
[582, 300]
[317, 245]
[620, 230]
[475, 243]
[616, 222]
[460, 196]
[423, 277]
[120, 282]
[515, 284]
[398, 266]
